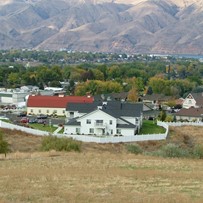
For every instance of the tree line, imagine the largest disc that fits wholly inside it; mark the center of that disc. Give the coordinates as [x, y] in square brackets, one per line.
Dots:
[174, 79]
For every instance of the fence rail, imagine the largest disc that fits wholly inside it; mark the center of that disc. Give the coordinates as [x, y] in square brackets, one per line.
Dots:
[184, 123]
[86, 138]
[113, 139]
[24, 129]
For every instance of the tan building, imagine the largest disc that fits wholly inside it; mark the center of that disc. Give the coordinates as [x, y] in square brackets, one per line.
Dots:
[49, 105]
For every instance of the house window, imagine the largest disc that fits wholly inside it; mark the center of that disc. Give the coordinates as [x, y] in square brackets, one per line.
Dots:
[47, 111]
[91, 130]
[77, 130]
[39, 111]
[71, 114]
[54, 111]
[111, 132]
[118, 131]
[88, 121]
[64, 111]
[99, 122]
[110, 122]
[31, 110]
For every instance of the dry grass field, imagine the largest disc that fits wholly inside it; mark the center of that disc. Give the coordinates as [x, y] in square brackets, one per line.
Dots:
[99, 174]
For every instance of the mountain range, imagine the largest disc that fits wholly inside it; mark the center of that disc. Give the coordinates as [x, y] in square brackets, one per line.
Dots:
[130, 26]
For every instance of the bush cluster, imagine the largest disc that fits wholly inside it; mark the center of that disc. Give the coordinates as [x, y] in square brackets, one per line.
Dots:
[4, 146]
[60, 144]
[134, 148]
[170, 150]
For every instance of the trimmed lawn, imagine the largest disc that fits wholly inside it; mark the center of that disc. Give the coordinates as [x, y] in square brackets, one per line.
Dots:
[149, 127]
[42, 127]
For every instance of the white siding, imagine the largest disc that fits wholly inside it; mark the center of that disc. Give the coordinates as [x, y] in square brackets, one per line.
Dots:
[189, 103]
[127, 132]
[70, 130]
[7, 100]
[106, 128]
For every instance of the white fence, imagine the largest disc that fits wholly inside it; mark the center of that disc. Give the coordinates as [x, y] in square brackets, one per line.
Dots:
[21, 128]
[86, 138]
[184, 123]
[113, 139]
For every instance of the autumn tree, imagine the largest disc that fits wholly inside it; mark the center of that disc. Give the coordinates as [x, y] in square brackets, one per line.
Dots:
[133, 95]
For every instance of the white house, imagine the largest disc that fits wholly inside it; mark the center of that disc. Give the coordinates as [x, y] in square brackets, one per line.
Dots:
[107, 118]
[193, 100]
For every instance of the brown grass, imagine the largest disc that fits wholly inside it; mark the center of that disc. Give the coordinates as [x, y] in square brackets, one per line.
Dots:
[100, 173]
[99, 177]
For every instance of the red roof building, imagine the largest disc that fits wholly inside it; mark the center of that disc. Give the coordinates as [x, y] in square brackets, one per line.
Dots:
[37, 104]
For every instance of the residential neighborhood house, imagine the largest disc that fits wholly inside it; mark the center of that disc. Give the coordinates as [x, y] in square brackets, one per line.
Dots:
[104, 118]
[193, 100]
[155, 101]
[191, 114]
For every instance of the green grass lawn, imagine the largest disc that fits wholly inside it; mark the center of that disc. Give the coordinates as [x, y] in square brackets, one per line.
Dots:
[149, 127]
[42, 127]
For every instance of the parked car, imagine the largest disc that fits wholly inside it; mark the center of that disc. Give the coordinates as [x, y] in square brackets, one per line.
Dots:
[33, 120]
[24, 120]
[42, 116]
[22, 114]
[41, 121]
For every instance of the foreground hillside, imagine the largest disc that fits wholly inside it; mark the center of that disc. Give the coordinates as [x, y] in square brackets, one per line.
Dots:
[100, 177]
[132, 26]
[100, 173]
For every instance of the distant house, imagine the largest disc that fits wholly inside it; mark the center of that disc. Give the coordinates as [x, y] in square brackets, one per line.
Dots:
[122, 96]
[12, 97]
[48, 105]
[104, 118]
[191, 114]
[193, 100]
[156, 100]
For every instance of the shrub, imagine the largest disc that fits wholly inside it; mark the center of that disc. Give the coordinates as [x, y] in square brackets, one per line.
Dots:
[60, 144]
[4, 146]
[172, 150]
[198, 151]
[134, 148]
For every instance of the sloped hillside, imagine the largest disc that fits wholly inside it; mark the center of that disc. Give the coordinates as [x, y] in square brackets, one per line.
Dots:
[144, 26]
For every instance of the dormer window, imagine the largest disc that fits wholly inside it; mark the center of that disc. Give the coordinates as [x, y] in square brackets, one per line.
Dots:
[189, 101]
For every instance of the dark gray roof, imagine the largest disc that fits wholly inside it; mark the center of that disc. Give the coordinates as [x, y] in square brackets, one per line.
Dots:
[83, 107]
[156, 97]
[73, 122]
[128, 125]
[125, 126]
[112, 97]
[118, 109]
[113, 108]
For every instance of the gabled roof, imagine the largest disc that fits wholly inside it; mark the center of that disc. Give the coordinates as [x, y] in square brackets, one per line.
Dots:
[114, 108]
[126, 125]
[191, 112]
[73, 122]
[198, 97]
[118, 109]
[111, 97]
[92, 112]
[157, 97]
[84, 107]
[56, 101]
